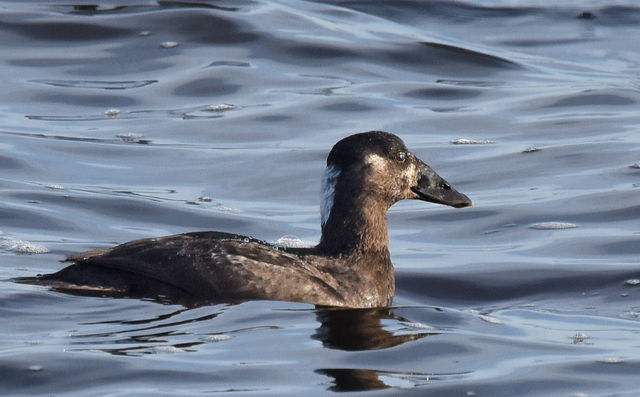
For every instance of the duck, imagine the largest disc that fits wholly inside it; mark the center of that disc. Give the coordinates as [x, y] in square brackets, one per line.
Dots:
[350, 267]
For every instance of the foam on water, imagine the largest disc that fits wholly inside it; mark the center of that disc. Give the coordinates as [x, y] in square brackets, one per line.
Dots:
[293, 242]
[169, 44]
[132, 137]
[466, 141]
[167, 349]
[218, 338]
[222, 107]
[21, 246]
[553, 225]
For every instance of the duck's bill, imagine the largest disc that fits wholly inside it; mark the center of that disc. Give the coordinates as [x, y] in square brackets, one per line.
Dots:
[431, 187]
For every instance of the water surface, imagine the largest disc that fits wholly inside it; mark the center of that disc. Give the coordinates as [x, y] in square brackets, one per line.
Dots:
[121, 121]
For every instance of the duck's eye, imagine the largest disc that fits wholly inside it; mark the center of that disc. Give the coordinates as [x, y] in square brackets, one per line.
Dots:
[401, 157]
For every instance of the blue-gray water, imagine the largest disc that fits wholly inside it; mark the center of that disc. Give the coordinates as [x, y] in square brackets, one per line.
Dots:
[110, 132]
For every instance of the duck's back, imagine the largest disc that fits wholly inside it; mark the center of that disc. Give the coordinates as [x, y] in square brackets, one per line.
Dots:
[201, 265]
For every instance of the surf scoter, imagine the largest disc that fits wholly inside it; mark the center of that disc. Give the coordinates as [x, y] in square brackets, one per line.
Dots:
[366, 173]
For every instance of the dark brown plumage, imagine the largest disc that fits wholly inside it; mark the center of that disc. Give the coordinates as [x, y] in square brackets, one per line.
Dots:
[350, 267]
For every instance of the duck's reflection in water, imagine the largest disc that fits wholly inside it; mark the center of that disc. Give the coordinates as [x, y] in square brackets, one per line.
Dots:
[360, 329]
[353, 379]
[340, 329]
[358, 379]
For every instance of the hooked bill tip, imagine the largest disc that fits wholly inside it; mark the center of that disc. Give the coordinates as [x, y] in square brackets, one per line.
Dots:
[464, 202]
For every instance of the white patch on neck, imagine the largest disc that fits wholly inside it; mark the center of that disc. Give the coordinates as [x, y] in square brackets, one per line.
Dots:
[329, 180]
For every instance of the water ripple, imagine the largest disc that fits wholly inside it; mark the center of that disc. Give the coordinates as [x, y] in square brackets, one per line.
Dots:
[106, 85]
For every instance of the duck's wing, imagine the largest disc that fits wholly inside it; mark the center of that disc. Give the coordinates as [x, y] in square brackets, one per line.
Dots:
[259, 271]
[131, 248]
[203, 265]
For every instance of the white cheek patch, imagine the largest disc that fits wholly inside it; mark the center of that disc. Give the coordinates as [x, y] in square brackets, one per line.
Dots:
[376, 162]
[329, 180]
[410, 174]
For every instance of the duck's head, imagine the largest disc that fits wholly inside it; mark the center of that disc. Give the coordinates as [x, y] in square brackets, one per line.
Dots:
[377, 167]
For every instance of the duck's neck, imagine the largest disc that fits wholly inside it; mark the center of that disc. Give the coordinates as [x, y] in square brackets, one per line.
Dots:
[357, 226]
